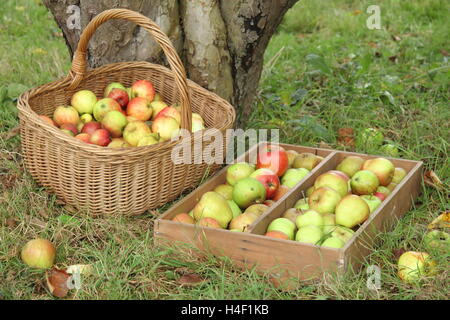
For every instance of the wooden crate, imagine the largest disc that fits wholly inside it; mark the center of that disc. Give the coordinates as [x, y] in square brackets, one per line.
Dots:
[285, 258]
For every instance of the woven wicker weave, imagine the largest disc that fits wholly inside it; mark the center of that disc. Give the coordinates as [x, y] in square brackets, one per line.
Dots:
[125, 181]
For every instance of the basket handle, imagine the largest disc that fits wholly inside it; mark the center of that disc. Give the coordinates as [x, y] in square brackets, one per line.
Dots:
[78, 69]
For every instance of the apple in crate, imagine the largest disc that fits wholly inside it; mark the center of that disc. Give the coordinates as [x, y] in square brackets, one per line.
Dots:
[293, 176]
[351, 211]
[209, 222]
[306, 160]
[350, 165]
[309, 218]
[225, 191]
[364, 182]
[91, 127]
[382, 193]
[277, 235]
[170, 112]
[103, 106]
[157, 106]
[111, 86]
[242, 221]
[248, 191]
[143, 89]
[281, 191]
[292, 214]
[270, 181]
[66, 114]
[257, 209]
[213, 205]
[333, 181]
[234, 208]
[84, 101]
[120, 95]
[283, 225]
[84, 137]
[333, 242]
[399, 174]
[273, 157]
[372, 201]
[343, 233]
[239, 171]
[184, 218]
[140, 109]
[324, 200]
[118, 143]
[167, 127]
[135, 131]
[383, 169]
[309, 234]
[292, 154]
[101, 137]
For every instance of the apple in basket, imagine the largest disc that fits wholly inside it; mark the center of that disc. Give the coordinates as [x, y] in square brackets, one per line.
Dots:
[157, 106]
[66, 114]
[91, 127]
[144, 89]
[135, 131]
[167, 127]
[84, 137]
[120, 95]
[170, 112]
[103, 106]
[69, 126]
[114, 122]
[140, 109]
[84, 101]
[111, 86]
[48, 120]
[101, 137]
[197, 122]
[118, 143]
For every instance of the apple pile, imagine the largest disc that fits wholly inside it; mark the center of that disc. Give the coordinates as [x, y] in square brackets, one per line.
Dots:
[124, 117]
[338, 202]
[250, 189]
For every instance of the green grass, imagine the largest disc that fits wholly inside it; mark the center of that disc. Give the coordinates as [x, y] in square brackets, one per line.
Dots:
[324, 70]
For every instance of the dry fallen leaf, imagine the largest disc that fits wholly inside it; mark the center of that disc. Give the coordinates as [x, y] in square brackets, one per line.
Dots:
[393, 59]
[190, 279]
[57, 282]
[443, 221]
[398, 252]
[84, 269]
[324, 145]
[11, 223]
[430, 178]
[346, 137]
[444, 53]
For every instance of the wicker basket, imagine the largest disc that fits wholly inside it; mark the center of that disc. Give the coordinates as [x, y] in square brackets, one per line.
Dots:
[124, 181]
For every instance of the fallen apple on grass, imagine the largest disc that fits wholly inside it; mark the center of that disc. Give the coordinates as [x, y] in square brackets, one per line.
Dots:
[38, 253]
[413, 265]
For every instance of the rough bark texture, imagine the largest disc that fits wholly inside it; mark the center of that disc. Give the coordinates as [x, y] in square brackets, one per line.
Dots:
[221, 42]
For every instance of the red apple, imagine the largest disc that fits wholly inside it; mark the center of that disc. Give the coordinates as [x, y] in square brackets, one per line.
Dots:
[120, 95]
[140, 109]
[69, 126]
[91, 127]
[66, 114]
[114, 122]
[144, 89]
[380, 195]
[84, 137]
[103, 106]
[270, 181]
[111, 86]
[48, 120]
[157, 106]
[273, 157]
[170, 112]
[101, 137]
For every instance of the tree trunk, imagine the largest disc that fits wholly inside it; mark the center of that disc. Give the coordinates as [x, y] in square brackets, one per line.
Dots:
[221, 42]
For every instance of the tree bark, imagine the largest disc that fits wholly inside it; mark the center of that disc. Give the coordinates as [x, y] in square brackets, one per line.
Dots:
[221, 42]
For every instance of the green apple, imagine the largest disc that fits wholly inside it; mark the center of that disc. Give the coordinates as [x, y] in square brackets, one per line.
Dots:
[364, 182]
[329, 223]
[324, 200]
[84, 101]
[306, 160]
[309, 234]
[370, 139]
[283, 225]
[239, 171]
[333, 181]
[350, 165]
[333, 242]
[399, 174]
[242, 221]
[437, 239]
[225, 191]
[135, 131]
[412, 265]
[148, 140]
[310, 190]
[293, 176]
[85, 118]
[234, 208]
[248, 191]
[213, 205]
[372, 201]
[351, 211]
[257, 209]
[389, 150]
[302, 204]
[113, 85]
[103, 106]
[291, 214]
[343, 233]
[114, 121]
[384, 190]
[383, 169]
[309, 218]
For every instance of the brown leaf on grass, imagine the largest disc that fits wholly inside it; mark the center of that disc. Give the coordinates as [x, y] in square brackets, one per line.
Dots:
[393, 59]
[57, 282]
[356, 12]
[442, 221]
[42, 212]
[430, 178]
[398, 252]
[60, 202]
[373, 45]
[444, 53]
[11, 223]
[8, 180]
[38, 222]
[346, 137]
[324, 145]
[11, 133]
[190, 279]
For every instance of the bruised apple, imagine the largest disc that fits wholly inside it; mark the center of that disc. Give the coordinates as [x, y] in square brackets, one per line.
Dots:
[120, 95]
